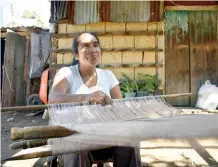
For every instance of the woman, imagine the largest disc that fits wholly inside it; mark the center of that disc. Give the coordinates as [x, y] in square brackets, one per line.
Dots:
[85, 82]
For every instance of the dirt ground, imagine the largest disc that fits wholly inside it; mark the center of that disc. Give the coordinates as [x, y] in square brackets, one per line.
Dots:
[156, 153]
[17, 119]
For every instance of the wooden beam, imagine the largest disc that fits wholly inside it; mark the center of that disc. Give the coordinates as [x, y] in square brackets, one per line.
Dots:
[23, 29]
[192, 8]
[72, 35]
[161, 10]
[26, 34]
[57, 66]
[134, 49]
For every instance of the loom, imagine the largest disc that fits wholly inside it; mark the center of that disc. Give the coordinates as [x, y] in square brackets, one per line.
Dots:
[75, 127]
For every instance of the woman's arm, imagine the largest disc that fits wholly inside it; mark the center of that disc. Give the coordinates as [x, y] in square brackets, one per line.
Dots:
[58, 92]
[116, 93]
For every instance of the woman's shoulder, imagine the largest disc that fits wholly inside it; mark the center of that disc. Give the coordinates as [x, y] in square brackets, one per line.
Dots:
[67, 69]
[105, 72]
[67, 72]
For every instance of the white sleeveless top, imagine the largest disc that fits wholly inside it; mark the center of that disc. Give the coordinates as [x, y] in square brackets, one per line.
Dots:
[106, 80]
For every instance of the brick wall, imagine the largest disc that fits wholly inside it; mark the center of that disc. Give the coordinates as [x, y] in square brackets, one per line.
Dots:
[128, 48]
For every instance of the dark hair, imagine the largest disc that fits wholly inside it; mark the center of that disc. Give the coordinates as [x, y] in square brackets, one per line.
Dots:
[76, 43]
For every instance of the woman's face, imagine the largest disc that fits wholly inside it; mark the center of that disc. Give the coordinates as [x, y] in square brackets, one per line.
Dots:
[89, 52]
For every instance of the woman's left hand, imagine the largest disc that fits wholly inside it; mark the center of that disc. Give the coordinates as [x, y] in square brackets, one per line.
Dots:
[98, 97]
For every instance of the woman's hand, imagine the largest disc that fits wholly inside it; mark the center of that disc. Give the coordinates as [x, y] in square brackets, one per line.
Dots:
[98, 97]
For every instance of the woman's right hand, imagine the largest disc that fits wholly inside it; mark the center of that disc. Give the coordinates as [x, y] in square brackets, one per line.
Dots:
[98, 97]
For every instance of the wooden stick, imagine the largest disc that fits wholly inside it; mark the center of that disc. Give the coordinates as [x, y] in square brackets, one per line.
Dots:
[40, 132]
[28, 144]
[37, 107]
[24, 108]
[32, 153]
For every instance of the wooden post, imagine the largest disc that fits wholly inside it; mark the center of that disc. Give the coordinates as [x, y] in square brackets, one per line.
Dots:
[26, 67]
[53, 58]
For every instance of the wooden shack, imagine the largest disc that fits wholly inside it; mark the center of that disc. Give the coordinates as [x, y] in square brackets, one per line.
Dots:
[16, 45]
[191, 47]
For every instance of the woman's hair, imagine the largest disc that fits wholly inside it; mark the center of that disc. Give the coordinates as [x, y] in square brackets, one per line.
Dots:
[76, 44]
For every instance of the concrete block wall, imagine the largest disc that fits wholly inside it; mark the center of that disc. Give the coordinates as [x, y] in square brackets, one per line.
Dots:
[122, 44]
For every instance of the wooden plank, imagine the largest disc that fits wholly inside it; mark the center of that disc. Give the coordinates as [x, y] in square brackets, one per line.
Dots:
[19, 57]
[213, 54]
[26, 34]
[26, 69]
[161, 10]
[53, 58]
[171, 65]
[22, 29]
[72, 35]
[57, 66]
[8, 88]
[206, 42]
[26, 60]
[13, 70]
[192, 8]
[216, 44]
[140, 49]
[196, 53]
[183, 67]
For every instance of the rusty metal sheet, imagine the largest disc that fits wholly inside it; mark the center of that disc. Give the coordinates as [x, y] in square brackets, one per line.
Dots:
[86, 12]
[130, 11]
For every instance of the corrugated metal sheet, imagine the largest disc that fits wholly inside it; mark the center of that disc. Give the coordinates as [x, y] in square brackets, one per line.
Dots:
[154, 11]
[130, 11]
[58, 10]
[22, 28]
[86, 12]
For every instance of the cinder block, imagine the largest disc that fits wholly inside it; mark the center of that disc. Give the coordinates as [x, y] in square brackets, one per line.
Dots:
[68, 58]
[160, 58]
[131, 57]
[160, 39]
[71, 28]
[144, 42]
[145, 70]
[60, 58]
[149, 58]
[108, 68]
[123, 42]
[152, 26]
[111, 57]
[65, 43]
[115, 27]
[105, 42]
[128, 71]
[96, 27]
[62, 28]
[65, 58]
[136, 26]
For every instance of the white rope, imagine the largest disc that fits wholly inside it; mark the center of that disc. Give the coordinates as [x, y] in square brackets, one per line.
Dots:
[126, 122]
[119, 110]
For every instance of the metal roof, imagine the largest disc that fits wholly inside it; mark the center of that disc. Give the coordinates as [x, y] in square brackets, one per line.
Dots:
[85, 12]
